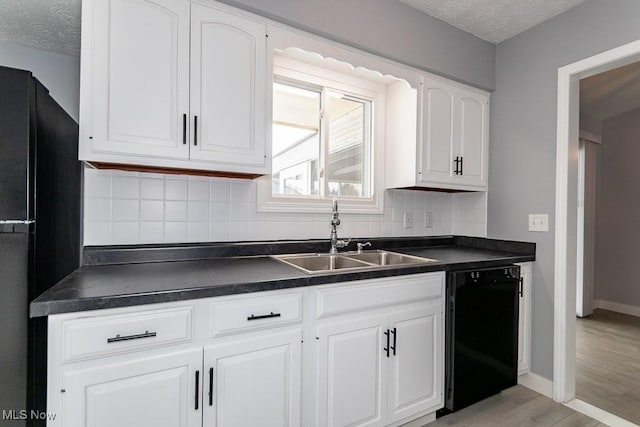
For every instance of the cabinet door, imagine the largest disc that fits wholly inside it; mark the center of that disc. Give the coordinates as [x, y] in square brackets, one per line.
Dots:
[524, 320]
[473, 128]
[228, 73]
[437, 132]
[135, 78]
[152, 392]
[352, 365]
[254, 381]
[416, 379]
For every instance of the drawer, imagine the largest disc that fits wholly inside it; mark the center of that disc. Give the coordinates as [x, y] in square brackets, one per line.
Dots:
[100, 336]
[370, 294]
[251, 313]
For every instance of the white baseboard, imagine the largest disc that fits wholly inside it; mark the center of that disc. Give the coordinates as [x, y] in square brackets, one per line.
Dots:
[631, 310]
[599, 414]
[537, 383]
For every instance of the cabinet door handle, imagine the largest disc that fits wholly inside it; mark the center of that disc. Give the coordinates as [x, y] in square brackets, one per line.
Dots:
[395, 337]
[263, 316]
[387, 347]
[521, 290]
[118, 338]
[184, 129]
[461, 165]
[197, 389]
[457, 163]
[195, 130]
[210, 386]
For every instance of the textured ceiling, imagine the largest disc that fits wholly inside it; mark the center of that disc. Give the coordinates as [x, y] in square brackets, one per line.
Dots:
[611, 93]
[52, 25]
[493, 20]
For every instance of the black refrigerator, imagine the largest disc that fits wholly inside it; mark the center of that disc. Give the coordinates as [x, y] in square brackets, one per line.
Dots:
[40, 193]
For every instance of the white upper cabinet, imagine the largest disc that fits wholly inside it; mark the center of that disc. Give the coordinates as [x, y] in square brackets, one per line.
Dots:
[473, 123]
[228, 74]
[455, 137]
[135, 78]
[437, 133]
[172, 84]
[450, 147]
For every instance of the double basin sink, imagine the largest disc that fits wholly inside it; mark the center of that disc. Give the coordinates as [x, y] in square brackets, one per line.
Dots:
[347, 261]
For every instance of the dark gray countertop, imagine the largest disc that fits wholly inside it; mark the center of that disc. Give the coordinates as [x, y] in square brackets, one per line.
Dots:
[95, 287]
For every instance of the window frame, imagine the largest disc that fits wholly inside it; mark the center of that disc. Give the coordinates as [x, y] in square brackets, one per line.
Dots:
[285, 69]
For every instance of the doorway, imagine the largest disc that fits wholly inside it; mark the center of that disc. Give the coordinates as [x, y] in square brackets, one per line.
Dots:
[567, 236]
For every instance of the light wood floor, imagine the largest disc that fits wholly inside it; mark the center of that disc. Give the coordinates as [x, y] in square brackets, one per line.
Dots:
[608, 363]
[515, 407]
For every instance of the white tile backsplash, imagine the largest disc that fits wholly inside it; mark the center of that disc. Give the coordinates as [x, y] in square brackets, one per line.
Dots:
[175, 210]
[198, 190]
[125, 187]
[151, 210]
[127, 207]
[151, 189]
[175, 188]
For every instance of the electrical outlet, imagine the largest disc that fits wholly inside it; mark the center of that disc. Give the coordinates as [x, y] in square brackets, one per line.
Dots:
[538, 222]
[408, 220]
[428, 220]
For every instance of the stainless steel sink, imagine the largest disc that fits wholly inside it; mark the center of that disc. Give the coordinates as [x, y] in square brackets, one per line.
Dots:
[320, 263]
[383, 258]
[326, 263]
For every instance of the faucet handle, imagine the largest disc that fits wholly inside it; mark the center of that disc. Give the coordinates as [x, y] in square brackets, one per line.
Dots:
[343, 243]
[362, 245]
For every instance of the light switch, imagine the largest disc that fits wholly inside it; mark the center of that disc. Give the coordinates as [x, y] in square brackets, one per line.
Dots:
[538, 222]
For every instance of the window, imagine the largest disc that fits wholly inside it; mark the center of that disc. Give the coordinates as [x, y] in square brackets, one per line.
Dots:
[333, 110]
[321, 142]
[327, 130]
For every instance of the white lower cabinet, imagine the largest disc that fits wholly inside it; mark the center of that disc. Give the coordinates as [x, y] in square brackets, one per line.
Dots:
[385, 366]
[373, 356]
[352, 372]
[254, 382]
[416, 371]
[157, 391]
[524, 319]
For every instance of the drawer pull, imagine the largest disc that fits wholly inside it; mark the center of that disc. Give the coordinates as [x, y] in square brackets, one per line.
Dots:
[210, 386]
[393, 331]
[263, 316]
[386, 349]
[118, 338]
[197, 399]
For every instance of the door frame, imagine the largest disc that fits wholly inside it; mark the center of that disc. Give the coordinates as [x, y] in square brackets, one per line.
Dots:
[567, 154]
[586, 224]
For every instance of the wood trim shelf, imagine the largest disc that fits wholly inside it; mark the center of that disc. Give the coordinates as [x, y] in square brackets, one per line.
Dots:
[172, 171]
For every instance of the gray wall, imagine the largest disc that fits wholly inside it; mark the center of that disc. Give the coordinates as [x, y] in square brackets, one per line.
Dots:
[590, 124]
[59, 73]
[391, 29]
[523, 136]
[618, 207]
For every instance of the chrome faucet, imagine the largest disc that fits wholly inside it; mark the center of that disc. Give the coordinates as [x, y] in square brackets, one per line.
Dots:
[362, 245]
[335, 221]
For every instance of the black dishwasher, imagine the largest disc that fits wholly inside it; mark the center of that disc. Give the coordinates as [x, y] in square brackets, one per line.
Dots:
[481, 354]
